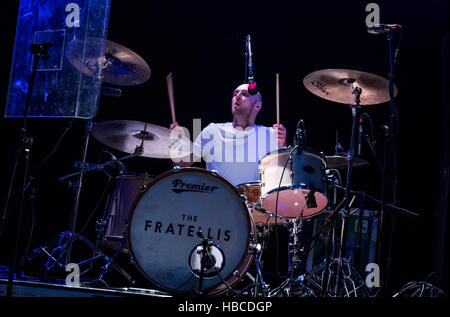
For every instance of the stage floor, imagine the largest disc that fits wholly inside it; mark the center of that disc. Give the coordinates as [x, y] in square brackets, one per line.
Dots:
[25, 288]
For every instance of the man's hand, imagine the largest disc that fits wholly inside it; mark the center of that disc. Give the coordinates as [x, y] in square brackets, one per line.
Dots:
[280, 135]
[185, 161]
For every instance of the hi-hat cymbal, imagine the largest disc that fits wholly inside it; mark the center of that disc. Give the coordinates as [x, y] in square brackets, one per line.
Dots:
[337, 85]
[338, 161]
[120, 65]
[126, 135]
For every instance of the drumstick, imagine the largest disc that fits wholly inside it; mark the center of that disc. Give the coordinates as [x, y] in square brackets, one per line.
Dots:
[278, 97]
[171, 99]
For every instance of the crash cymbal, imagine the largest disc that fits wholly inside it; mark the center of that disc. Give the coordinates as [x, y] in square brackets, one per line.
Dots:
[338, 161]
[126, 135]
[121, 66]
[337, 85]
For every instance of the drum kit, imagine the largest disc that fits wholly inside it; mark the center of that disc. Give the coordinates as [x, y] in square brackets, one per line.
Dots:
[189, 230]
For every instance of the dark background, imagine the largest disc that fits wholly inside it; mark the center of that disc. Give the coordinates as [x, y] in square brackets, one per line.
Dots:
[202, 44]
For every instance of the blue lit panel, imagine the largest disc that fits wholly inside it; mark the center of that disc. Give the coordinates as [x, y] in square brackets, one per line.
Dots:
[77, 32]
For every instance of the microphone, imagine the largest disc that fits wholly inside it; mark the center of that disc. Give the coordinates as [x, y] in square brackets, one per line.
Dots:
[382, 28]
[299, 138]
[360, 135]
[252, 86]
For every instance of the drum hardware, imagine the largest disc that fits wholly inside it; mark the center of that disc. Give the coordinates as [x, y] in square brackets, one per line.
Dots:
[355, 89]
[115, 68]
[87, 167]
[55, 250]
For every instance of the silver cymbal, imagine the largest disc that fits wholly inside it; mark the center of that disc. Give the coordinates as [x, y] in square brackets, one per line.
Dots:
[120, 65]
[337, 85]
[126, 135]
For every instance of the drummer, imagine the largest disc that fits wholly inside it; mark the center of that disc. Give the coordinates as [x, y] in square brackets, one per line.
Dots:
[234, 148]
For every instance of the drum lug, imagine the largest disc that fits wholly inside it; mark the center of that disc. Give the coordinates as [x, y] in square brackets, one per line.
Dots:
[215, 172]
[236, 273]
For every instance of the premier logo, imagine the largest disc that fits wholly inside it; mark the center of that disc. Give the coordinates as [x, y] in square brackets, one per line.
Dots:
[179, 186]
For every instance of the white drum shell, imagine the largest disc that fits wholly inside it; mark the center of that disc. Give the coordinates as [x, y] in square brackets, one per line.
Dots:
[304, 171]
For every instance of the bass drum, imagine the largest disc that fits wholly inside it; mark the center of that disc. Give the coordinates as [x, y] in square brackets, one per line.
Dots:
[166, 225]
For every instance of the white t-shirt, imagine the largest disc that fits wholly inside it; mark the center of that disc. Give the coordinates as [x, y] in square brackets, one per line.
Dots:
[234, 153]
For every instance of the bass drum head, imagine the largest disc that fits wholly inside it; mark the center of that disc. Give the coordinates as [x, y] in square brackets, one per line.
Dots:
[164, 225]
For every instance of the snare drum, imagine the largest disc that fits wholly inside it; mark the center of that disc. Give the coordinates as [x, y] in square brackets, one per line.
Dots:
[164, 226]
[300, 190]
[251, 191]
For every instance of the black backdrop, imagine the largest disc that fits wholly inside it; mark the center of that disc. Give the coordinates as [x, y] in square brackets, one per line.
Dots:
[202, 44]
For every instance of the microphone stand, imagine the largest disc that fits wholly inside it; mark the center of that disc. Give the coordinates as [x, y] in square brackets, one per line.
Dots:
[206, 245]
[39, 51]
[391, 137]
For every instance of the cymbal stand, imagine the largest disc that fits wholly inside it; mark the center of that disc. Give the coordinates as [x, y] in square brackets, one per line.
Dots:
[64, 251]
[55, 248]
[77, 188]
[345, 212]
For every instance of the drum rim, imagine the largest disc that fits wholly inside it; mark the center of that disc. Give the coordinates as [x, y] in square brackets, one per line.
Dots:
[253, 183]
[292, 187]
[289, 149]
[137, 175]
[243, 265]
